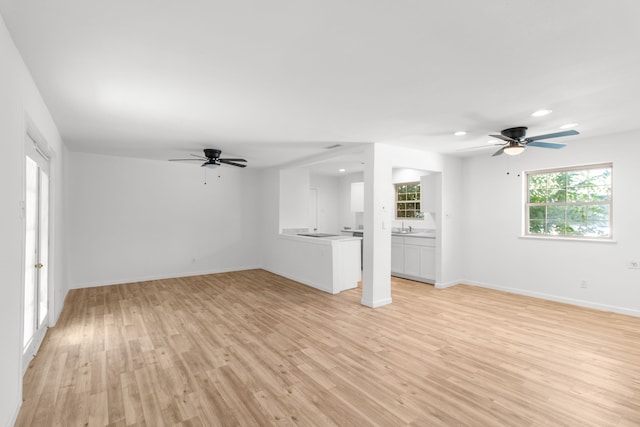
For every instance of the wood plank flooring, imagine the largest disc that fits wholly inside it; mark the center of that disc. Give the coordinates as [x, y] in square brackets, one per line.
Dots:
[252, 348]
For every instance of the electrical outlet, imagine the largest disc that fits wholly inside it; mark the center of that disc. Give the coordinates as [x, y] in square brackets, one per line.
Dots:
[634, 264]
[584, 284]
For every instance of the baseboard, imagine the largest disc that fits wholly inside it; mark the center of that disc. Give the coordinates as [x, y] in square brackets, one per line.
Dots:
[299, 280]
[162, 277]
[440, 285]
[556, 298]
[58, 311]
[377, 303]
[414, 278]
[14, 418]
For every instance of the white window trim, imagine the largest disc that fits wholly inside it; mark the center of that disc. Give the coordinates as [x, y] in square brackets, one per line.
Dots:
[396, 201]
[525, 222]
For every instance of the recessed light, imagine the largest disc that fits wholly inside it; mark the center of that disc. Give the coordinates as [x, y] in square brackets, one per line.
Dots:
[460, 133]
[492, 142]
[540, 113]
[568, 126]
[341, 170]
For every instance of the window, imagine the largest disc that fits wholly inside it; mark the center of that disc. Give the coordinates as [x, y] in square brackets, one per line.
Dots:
[570, 202]
[408, 200]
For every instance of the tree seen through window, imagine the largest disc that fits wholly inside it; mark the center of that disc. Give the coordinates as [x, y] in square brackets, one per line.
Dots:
[573, 202]
[408, 200]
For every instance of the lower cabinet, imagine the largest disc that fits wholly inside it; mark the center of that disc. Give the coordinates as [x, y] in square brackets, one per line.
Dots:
[428, 262]
[413, 258]
[397, 255]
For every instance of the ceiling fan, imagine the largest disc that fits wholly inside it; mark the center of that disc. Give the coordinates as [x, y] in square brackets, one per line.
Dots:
[212, 159]
[516, 140]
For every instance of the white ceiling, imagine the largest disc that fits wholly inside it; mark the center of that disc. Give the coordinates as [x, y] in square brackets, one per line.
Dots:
[276, 80]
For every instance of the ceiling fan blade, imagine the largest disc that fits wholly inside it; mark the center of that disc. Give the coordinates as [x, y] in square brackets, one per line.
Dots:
[198, 156]
[185, 160]
[235, 160]
[477, 147]
[553, 135]
[228, 162]
[505, 138]
[546, 144]
[499, 152]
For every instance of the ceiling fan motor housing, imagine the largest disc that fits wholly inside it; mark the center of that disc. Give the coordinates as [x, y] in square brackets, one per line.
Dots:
[212, 153]
[515, 133]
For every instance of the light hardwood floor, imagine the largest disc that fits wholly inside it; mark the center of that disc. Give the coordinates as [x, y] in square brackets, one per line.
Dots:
[251, 348]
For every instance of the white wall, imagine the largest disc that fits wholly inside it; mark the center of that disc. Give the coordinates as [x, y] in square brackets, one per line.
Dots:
[495, 256]
[293, 199]
[328, 202]
[450, 221]
[137, 219]
[19, 101]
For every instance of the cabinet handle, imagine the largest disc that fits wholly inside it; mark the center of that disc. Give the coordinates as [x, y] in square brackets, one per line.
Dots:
[38, 266]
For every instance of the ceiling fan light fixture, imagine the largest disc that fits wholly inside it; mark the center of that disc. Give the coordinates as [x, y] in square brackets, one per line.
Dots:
[541, 113]
[514, 150]
[210, 165]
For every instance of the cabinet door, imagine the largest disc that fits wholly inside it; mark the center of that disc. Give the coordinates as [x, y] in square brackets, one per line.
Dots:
[412, 260]
[397, 257]
[428, 262]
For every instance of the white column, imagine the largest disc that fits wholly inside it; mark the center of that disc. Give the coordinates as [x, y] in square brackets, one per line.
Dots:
[378, 208]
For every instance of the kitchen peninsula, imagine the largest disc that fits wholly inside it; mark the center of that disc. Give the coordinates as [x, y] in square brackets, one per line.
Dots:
[330, 263]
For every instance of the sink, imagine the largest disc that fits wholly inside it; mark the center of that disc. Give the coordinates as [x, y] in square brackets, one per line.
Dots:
[404, 232]
[317, 235]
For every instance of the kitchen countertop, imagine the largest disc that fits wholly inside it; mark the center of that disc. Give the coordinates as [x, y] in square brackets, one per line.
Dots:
[428, 234]
[422, 234]
[318, 240]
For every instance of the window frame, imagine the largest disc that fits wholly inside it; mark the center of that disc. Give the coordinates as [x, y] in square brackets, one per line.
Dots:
[527, 204]
[418, 200]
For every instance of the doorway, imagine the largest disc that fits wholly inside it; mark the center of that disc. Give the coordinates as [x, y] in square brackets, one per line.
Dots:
[36, 254]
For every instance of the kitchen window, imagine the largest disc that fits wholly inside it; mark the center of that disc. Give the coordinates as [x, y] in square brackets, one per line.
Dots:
[571, 202]
[408, 200]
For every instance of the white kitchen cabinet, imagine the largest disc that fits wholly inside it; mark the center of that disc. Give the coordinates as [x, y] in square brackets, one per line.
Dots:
[428, 262]
[357, 197]
[397, 254]
[413, 258]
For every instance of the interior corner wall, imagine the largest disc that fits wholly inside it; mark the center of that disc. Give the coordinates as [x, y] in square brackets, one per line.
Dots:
[269, 189]
[346, 217]
[450, 223]
[327, 203]
[135, 219]
[495, 255]
[294, 198]
[21, 102]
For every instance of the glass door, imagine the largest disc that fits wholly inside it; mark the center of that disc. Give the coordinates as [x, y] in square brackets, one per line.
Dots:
[36, 280]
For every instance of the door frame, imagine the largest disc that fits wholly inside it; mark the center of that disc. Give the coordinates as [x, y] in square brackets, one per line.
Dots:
[34, 142]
